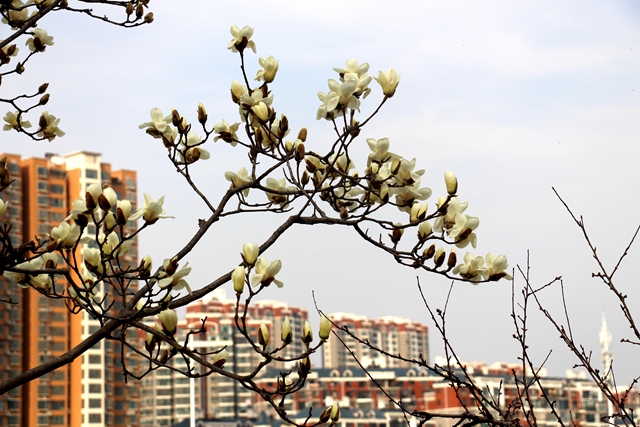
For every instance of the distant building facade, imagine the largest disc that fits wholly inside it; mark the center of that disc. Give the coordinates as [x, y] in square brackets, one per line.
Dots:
[396, 335]
[166, 393]
[89, 392]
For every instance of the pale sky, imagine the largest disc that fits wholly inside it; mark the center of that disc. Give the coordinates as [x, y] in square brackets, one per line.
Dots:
[514, 97]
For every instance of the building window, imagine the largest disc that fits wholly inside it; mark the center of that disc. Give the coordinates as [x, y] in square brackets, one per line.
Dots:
[14, 168]
[57, 420]
[95, 403]
[95, 388]
[43, 200]
[91, 173]
[95, 418]
[43, 215]
[95, 373]
[104, 176]
[43, 228]
[95, 359]
[56, 189]
[58, 173]
[56, 216]
[131, 183]
[43, 187]
[42, 172]
[56, 203]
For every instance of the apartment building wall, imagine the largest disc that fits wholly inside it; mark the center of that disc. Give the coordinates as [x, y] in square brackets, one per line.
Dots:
[11, 313]
[166, 393]
[90, 391]
[392, 334]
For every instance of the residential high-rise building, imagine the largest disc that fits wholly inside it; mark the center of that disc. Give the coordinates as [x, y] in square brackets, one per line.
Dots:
[89, 392]
[166, 393]
[395, 335]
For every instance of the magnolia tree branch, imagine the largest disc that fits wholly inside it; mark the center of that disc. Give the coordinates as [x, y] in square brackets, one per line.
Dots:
[281, 177]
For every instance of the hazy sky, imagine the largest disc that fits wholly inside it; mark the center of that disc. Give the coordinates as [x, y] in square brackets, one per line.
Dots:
[514, 97]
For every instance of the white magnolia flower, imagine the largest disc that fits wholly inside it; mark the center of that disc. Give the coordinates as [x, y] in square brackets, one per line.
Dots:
[329, 103]
[280, 186]
[346, 92]
[380, 151]
[194, 150]
[266, 273]
[176, 281]
[462, 230]
[250, 252]
[12, 121]
[169, 320]
[472, 269]
[226, 132]
[238, 90]
[159, 125]
[93, 260]
[49, 126]
[151, 211]
[388, 82]
[9, 51]
[496, 267]
[353, 67]
[241, 39]
[39, 41]
[66, 235]
[270, 68]
[239, 179]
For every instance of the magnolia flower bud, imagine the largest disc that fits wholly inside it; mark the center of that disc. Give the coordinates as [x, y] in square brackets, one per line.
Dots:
[123, 211]
[397, 233]
[395, 165]
[170, 266]
[263, 336]
[202, 113]
[250, 252]
[109, 222]
[302, 135]
[107, 199]
[388, 82]
[331, 413]
[418, 211]
[43, 88]
[150, 343]
[287, 335]
[237, 277]
[429, 252]
[92, 195]
[424, 229]
[452, 182]
[307, 333]
[325, 328]
[304, 367]
[145, 266]
[221, 358]
[169, 321]
[129, 9]
[148, 18]
[44, 99]
[139, 11]
[451, 262]
[439, 257]
[335, 413]
[299, 154]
